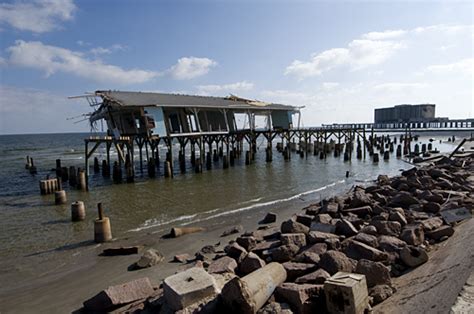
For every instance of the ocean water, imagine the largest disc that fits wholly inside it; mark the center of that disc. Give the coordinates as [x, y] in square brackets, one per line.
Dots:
[30, 224]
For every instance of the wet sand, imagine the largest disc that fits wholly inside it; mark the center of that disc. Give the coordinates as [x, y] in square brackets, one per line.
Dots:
[84, 273]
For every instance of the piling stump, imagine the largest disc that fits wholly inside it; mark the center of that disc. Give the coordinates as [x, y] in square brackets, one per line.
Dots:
[102, 230]
[78, 211]
[60, 197]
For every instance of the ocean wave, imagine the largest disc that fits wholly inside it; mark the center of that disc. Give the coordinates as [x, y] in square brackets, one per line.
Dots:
[154, 222]
[282, 200]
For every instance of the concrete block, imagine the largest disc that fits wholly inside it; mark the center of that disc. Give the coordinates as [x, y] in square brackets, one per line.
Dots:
[188, 287]
[346, 293]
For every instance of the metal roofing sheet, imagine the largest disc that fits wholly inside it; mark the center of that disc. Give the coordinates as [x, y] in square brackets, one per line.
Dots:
[143, 99]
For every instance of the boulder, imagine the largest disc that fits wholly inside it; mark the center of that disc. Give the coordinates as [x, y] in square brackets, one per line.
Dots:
[383, 179]
[413, 256]
[181, 258]
[375, 273]
[390, 244]
[298, 239]
[369, 230]
[303, 298]
[367, 239]
[251, 263]
[359, 211]
[322, 227]
[222, 265]
[399, 216]
[304, 219]
[284, 253]
[117, 295]
[275, 308]
[150, 257]
[233, 230]
[334, 261]
[323, 218]
[235, 251]
[318, 248]
[247, 242]
[295, 269]
[403, 199]
[266, 245]
[317, 277]
[380, 293]
[291, 226]
[413, 234]
[346, 228]
[318, 236]
[307, 257]
[269, 218]
[358, 250]
[443, 231]
[333, 243]
[391, 228]
[432, 207]
[360, 198]
[330, 208]
[432, 223]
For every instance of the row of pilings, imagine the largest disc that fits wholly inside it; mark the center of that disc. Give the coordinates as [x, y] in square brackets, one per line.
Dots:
[225, 153]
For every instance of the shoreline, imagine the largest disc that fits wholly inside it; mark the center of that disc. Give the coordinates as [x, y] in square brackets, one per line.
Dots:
[84, 272]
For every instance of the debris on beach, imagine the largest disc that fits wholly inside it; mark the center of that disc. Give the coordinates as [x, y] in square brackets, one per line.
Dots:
[338, 255]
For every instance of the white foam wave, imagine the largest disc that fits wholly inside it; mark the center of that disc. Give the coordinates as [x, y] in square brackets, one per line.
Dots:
[241, 209]
[154, 222]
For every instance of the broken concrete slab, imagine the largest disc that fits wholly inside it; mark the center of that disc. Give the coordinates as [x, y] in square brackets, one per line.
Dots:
[456, 215]
[120, 294]
[222, 265]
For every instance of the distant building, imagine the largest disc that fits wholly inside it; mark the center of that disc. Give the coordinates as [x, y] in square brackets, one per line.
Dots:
[405, 113]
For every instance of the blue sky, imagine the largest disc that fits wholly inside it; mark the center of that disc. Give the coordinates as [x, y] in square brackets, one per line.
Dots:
[338, 59]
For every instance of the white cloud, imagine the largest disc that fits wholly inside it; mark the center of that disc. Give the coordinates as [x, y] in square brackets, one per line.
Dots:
[389, 34]
[2, 61]
[359, 54]
[370, 49]
[38, 16]
[190, 67]
[52, 59]
[101, 50]
[225, 88]
[464, 66]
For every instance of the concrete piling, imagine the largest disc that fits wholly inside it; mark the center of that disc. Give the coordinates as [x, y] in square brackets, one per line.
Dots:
[58, 167]
[96, 165]
[247, 157]
[130, 173]
[225, 162]
[102, 230]
[232, 158]
[151, 167]
[208, 161]
[60, 197]
[117, 173]
[72, 176]
[250, 293]
[82, 182]
[386, 155]
[105, 169]
[28, 163]
[78, 211]
[167, 166]
[32, 167]
[399, 151]
[198, 166]
[48, 186]
[346, 156]
[375, 157]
